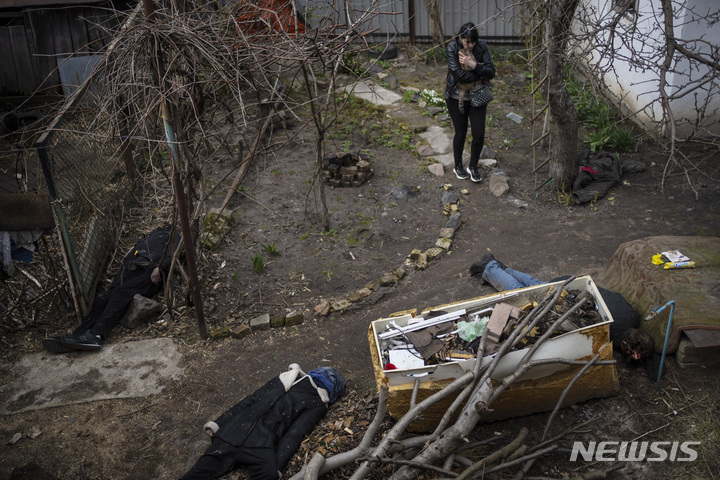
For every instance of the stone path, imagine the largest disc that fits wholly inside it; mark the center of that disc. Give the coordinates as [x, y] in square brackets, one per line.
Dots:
[124, 370]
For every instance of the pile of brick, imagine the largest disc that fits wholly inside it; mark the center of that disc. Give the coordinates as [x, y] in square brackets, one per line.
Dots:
[347, 170]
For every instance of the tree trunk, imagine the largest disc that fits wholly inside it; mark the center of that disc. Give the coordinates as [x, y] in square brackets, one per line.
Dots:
[436, 28]
[564, 125]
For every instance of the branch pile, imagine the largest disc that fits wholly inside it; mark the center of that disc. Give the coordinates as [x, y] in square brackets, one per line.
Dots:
[446, 450]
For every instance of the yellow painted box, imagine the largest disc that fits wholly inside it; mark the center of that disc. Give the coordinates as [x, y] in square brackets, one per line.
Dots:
[536, 391]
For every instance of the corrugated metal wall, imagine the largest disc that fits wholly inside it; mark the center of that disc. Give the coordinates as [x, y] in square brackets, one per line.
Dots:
[498, 19]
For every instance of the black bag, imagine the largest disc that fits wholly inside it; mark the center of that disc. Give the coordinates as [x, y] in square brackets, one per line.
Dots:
[481, 96]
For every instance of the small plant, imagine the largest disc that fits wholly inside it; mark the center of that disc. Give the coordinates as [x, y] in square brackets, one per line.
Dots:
[353, 65]
[270, 249]
[434, 54]
[621, 139]
[258, 263]
[234, 277]
[408, 96]
[597, 140]
[564, 197]
[276, 172]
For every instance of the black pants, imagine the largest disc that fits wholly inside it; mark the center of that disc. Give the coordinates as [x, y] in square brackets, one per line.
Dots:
[221, 457]
[108, 309]
[476, 116]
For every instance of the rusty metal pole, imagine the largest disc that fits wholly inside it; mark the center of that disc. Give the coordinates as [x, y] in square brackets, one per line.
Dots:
[179, 190]
[149, 10]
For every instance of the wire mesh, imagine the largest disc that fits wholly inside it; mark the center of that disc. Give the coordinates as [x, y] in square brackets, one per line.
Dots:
[86, 179]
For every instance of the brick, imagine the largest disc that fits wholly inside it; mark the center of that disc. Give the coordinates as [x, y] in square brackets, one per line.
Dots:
[447, 233]
[322, 309]
[501, 314]
[339, 305]
[688, 355]
[444, 243]
[433, 253]
[260, 323]
[294, 318]
[277, 321]
[241, 331]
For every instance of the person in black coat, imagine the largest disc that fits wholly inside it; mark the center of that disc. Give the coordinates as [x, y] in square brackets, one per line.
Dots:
[142, 272]
[469, 65]
[265, 429]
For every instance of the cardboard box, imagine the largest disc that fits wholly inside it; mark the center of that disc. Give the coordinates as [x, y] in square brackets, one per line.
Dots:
[536, 391]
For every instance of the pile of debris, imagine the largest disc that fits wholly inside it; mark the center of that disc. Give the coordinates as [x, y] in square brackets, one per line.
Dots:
[455, 336]
[347, 170]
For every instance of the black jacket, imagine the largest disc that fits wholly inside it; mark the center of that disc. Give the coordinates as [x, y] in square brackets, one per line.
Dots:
[153, 250]
[485, 68]
[277, 416]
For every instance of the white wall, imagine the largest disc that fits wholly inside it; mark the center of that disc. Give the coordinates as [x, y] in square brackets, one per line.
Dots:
[637, 83]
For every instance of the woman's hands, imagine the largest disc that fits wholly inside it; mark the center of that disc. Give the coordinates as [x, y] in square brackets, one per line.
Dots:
[155, 276]
[467, 60]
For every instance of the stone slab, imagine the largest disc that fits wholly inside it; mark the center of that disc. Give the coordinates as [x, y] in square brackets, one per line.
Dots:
[374, 94]
[439, 138]
[123, 370]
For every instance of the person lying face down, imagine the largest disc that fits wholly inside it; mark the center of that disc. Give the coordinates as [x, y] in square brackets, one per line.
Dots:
[264, 430]
[635, 345]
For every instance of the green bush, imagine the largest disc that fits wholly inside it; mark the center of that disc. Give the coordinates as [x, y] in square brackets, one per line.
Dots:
[601, 119]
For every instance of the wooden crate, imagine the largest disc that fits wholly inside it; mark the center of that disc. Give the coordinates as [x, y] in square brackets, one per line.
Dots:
[536, 391]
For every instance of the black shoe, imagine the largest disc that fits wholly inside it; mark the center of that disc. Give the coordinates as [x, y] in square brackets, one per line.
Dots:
[54, 345]
[461, 173]
[82, 341]
[478, 267]
[474, 174]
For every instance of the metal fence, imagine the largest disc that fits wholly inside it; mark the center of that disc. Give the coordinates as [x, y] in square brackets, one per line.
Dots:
[497, 20]
[85, 177]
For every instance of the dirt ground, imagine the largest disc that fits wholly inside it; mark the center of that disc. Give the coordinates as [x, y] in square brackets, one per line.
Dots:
[373, 229]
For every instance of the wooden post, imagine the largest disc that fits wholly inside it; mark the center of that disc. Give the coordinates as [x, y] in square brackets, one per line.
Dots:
[411, 21]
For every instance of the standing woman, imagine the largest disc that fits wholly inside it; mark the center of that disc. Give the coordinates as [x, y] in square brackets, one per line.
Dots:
[469, 65]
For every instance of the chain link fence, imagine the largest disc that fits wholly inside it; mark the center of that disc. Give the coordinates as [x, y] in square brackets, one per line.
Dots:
[76, 163]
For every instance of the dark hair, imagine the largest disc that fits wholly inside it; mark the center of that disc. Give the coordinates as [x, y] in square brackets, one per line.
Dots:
[469, 31]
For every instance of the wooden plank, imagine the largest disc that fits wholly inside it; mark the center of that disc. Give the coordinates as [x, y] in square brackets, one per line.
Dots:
[703, 337]
[60, 28]
[37, 3]
[78, 30]
[8, 76]
[96, 24]
[44, 54]
[27, 83]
